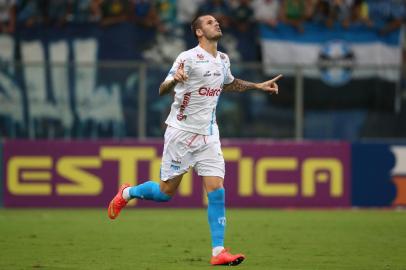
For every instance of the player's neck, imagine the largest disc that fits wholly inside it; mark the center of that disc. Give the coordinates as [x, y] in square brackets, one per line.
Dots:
[209, 46]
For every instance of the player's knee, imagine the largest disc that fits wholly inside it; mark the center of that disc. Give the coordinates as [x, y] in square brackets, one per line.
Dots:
[217, 195]
[169, 187]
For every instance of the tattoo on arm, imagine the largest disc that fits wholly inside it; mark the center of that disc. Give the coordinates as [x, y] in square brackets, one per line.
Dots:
[166, 87]
[239, 85]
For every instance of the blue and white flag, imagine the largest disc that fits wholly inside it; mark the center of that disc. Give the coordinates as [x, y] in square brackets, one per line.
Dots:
[335, 55]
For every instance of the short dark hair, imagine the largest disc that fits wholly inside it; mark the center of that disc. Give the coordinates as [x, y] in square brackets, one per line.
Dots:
[197, 23]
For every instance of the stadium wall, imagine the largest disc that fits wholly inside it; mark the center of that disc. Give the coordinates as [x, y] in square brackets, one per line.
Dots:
[259, 173]
[378, 174]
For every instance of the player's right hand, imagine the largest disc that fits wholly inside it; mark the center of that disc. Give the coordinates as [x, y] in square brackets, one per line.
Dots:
[180, 75]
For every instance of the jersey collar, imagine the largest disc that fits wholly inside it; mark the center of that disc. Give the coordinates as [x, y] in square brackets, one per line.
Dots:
[200, 49]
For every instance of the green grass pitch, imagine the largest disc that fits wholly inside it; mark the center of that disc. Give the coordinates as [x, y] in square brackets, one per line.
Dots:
[179, 239]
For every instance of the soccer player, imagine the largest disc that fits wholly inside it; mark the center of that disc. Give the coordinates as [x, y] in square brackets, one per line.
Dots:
[198, 76]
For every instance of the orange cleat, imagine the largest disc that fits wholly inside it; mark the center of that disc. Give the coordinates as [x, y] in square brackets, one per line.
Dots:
[226, 258]
[117, 203]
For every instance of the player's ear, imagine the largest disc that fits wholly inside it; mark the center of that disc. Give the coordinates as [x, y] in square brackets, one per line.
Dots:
[199, 32]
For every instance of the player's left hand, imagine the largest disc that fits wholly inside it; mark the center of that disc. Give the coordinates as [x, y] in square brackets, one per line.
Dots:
[270, 86]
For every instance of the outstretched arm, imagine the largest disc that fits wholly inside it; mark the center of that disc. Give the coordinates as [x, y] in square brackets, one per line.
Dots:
[239, 85]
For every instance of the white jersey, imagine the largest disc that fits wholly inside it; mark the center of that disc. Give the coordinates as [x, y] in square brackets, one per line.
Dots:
[194, 106]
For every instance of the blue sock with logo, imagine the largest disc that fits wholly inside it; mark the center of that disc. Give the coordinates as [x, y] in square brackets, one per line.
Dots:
[149, 191]
[216, 214]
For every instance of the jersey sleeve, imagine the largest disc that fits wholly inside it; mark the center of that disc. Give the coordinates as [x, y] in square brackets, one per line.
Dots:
[228, 77]
[182, 58]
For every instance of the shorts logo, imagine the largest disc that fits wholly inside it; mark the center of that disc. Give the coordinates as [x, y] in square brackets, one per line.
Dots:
[175, 164]
[209, 92]
[176, 161]
[185, 103]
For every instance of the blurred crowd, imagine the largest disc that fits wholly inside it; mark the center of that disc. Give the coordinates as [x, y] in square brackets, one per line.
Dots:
[161, 29]
[242, 15]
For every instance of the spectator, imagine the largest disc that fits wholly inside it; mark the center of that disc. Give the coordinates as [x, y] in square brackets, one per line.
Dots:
[166, 10]
[387, 14]
[55, 11]
[320, 12]
[243, 16]
[341, 11]
[266, 11]
[244, 31]
[293, 12]
[114, 11]
[144, 14]
[219, 9]
[7, 16]
[29, 13]
[81, 11]
[310, 8]
[360, 13]
[187, 10]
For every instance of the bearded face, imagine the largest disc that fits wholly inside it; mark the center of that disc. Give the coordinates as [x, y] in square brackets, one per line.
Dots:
[209, 28]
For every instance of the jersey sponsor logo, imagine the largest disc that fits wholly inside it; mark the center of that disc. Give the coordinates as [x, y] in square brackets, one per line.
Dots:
[200, 58]
[209, 92]
[185, 103]
[207, 74]
[217, 73]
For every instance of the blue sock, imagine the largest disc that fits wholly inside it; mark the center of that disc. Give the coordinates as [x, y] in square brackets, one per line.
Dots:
[217, 218]
[149, 191]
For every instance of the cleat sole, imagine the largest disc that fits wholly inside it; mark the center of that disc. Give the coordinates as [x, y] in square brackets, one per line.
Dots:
[236, 261]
